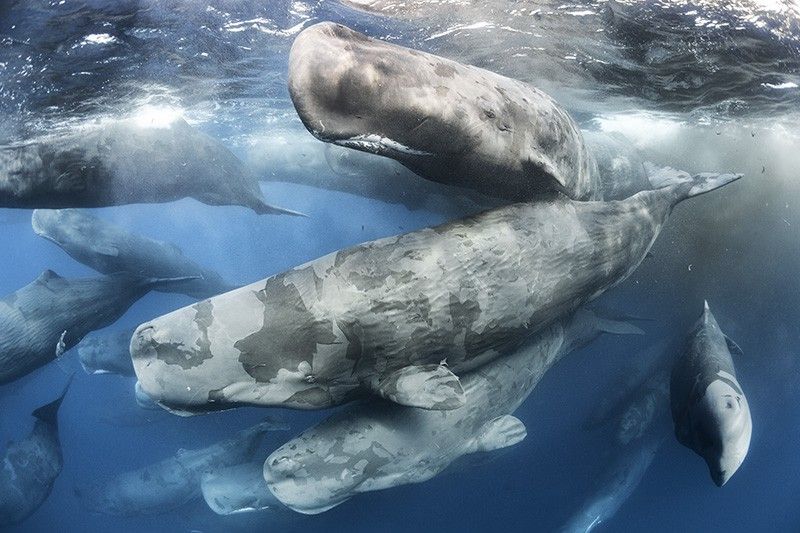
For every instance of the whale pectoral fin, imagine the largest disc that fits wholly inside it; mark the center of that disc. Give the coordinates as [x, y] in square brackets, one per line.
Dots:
[734, 348]
[105, 249]
[432, 387]
[500, 432]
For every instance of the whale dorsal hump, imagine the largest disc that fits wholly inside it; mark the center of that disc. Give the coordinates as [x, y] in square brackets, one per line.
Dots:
[426, 386]
[500, 432]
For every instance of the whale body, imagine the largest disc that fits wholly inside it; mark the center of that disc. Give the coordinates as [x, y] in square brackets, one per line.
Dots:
[709, 408]
[108, 248]
[451, 123]
[126, 161]
[382, 317]
[52, 314]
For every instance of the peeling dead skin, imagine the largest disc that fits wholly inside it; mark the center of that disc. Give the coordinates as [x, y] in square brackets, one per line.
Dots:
[498, 136]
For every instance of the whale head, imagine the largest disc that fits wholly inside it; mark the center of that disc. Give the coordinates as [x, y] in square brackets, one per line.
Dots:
[721, 428]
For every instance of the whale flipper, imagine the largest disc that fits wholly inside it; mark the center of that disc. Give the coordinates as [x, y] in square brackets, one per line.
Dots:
[500, 432]
[733, 347]
[432, 387]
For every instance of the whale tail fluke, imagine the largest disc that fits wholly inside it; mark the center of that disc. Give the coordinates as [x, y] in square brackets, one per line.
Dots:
[263, 208]
[49, 412]
[688, 185]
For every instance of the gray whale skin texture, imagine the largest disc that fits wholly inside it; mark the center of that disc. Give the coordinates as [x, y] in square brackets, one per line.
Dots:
[31, 466]
[126, 161]
[383, 316]
[378, 445]
[448, 122]
[108, 248]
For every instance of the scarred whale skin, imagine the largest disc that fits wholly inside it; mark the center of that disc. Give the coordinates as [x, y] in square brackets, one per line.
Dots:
[166, 485]
[709, 408]
[31, 466]
[52, 314]
[449, 122]
[379, 445]
[125, 161]
[108, 248]
[383, 315]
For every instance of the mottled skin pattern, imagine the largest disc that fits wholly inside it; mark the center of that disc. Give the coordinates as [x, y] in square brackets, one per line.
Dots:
[709, 409]
[167, 485]
[124, 162]
[107, 352]
[466, 291]
[30, 467]
[451, 123]
[108, 248]
[33, 318]
[238, 489]
[378, 445]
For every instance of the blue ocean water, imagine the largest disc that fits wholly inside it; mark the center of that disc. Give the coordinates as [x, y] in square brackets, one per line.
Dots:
[692, 84]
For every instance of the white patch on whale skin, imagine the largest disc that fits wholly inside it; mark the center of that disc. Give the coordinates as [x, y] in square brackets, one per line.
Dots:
[375, 143]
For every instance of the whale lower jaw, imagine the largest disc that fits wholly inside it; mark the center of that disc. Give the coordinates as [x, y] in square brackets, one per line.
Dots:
[377, 144]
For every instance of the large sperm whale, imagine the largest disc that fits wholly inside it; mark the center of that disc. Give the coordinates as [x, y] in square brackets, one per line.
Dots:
[449, 122]
[109, 248]
[52, 314]
[31, 466]
[126, 161]
[378, 445]
[400, 317]
[709, 409]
